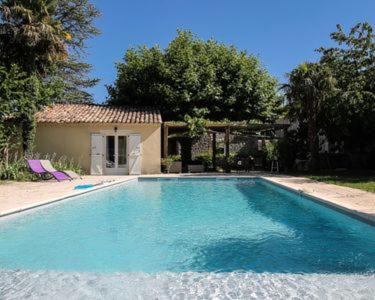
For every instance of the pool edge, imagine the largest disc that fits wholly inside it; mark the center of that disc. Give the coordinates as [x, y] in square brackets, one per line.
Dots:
[355, 214]
[358, 215]
[65, 197]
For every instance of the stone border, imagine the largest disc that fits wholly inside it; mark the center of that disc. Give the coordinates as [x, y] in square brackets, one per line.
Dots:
[355, 214]
[361, 216]
[66, 197]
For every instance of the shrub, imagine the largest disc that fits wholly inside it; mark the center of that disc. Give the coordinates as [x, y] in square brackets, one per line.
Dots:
[166, 163]
[226, 163]
[272, 150]
[175, 157]
[62, 162]
[205, 159]
[17, 168]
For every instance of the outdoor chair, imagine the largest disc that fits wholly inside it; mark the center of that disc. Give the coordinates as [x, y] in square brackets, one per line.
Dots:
[37, 168]
[46, 164]
[258, 163]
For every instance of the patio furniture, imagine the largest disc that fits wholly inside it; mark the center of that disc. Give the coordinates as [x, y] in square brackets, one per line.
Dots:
[275, 166]
[37, 168]
[46, 164]
[244, 163]
[258, 163]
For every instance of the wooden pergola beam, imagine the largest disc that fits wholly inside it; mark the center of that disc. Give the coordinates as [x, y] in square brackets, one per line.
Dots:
[223, 127]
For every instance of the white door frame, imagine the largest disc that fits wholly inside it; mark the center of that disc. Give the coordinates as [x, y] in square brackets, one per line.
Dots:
[116, 170]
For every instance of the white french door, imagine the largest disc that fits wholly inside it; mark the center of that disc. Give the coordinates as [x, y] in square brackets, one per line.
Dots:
[96, 154]
[115, 154]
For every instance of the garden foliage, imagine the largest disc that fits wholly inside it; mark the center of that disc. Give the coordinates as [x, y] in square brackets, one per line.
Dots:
[335, 97]
[192, 74]
[41, 46]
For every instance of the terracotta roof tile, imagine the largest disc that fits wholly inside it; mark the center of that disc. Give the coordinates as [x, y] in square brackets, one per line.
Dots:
[96, 113]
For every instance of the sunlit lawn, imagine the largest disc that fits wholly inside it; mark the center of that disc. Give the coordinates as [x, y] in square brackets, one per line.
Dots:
[359, 180]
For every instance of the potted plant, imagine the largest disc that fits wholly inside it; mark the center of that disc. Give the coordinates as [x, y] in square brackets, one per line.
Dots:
[166, 164]
[176, 166]
[204, 159]
[272, 155]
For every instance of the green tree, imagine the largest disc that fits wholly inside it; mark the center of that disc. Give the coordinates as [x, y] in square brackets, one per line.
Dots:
[195, 130]
[21, 95]
[310, 86]
[41, 47]
[77, 20]
[349, 117]
[192, 74]
[30, 36]
[47, 38]
[72, 76]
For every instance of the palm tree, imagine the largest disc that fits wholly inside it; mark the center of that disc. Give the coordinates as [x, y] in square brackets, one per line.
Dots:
[310, 84]
[30, 35]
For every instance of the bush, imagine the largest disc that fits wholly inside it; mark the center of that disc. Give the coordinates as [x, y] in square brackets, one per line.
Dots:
[62, 162]
[166, 163]
[205, 159]
[175, 157]
[272, 150]
[17, 168]
[223, 163]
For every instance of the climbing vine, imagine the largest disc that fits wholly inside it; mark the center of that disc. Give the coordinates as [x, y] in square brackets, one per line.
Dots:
[21, 95]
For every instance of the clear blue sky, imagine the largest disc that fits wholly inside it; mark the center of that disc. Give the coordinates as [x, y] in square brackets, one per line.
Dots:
[282, 33]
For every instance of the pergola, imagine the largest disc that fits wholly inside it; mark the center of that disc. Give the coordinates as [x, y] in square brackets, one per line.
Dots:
[255, 129]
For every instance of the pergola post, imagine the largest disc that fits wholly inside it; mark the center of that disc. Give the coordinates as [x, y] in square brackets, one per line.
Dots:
[215, 128]
[227, 133]
[165, 141]
[214, 151]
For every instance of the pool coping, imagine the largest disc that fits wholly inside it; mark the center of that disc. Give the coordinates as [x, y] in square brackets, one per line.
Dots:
[363, 217]
[74, 194]
[368, 218]
[272, 179]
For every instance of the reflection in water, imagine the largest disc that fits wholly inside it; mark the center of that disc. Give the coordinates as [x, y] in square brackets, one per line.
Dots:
[188, 225]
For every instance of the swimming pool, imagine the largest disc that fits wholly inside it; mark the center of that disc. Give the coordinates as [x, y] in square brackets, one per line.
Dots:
[188, 225]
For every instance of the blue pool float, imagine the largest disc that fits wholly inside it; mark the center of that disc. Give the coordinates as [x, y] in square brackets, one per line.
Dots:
[83, 186]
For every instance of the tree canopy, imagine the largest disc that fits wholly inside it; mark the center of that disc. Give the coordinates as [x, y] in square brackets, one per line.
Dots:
[350, 116]
[31, 37]
[47, 38]
[310, 86]
[337, 94]
[21, 95]
[193, 75]
[42, 43]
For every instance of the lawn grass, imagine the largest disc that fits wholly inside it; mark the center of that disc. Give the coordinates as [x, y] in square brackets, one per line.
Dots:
[359, 180]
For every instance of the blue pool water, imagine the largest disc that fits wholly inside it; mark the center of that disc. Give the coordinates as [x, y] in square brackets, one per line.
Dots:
[180, 225]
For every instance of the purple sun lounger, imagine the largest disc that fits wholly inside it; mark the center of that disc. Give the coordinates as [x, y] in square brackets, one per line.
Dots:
[37, 168]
